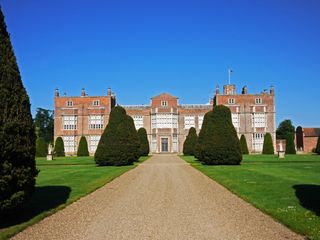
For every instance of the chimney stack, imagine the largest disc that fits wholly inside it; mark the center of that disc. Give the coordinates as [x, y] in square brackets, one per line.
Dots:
[271, 90]
[56, 92]
[217, 89]
[83, 93]
[109, 91]
[244, 90]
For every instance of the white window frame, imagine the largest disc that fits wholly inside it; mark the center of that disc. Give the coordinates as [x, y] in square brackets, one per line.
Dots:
[259, 120]
[96, 121]
[175, 146]
[154, 143]
[69, 103]
[257, 142]
[69, 122]
[164, 103]
[138, 121]
[69, 143]
[235, 120]
[231, 101]
[258, 101]
[189, 121]
[93, 142]
[200, 121]
[96, 103]
[164, 120]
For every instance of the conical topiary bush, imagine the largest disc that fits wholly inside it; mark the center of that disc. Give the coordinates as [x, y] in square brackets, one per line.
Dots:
[144, 143]
[190, 143]
[243, 144]
[59, 147]
[290, 147]
[267, 144]
[17, 134]
[41, 147]
[218, 140]
[83, 147]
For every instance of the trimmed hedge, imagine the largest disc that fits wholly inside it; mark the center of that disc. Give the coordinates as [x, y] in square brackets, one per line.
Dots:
[119, 144]
[83, 147]
[243, 144]
[41, 147]
[144, 143]
[218, 140]
[17, 133]
[59, 147]
[190, 143]
[290, 147]
[268, 144]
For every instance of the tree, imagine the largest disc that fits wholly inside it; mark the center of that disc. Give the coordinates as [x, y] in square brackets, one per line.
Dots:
[299, 138]
[285, 128]
[190, 142]
[41, 147]
[59, 147]
[119, 143]
[83, 147]
[290, 147]
[44, 122]
[17, 133]
[243, 144]
[267, 144]
[144, 143]
[218, 140]
[318, 146]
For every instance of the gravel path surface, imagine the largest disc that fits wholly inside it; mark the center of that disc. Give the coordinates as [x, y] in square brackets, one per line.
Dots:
[162, 198]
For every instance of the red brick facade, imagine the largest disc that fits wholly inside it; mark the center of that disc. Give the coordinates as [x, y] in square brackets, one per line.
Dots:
[166, 121]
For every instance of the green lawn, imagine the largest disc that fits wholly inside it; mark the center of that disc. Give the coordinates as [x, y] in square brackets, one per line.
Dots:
[288, 190]
[61, 182]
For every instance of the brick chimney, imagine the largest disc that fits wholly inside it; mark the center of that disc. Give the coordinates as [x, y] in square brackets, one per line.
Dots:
[217, 89]
[109, 91]
[56, 92]
[83, 93]
[272, 90]
[244, 90]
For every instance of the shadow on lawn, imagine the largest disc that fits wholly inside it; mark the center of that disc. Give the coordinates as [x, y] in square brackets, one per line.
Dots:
[309, 197]
[44, 199]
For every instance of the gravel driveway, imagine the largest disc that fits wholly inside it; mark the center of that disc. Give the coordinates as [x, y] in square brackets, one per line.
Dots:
[162, 198]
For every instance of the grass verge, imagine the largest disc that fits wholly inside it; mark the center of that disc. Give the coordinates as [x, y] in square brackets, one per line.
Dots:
[288, 190]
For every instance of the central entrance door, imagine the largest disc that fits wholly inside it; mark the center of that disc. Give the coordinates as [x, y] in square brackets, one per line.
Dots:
[164, 144]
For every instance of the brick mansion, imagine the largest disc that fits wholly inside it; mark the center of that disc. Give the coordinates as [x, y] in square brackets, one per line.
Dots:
[166, 121]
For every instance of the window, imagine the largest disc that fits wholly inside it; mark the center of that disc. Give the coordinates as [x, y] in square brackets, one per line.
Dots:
[164, 121]
[231, 101]
[189, 122]
[138, 121]
[96, 103]
[200, 121]
[69, 122]
[93, 142]
[259, 120]
[95, 122]
[175, 143]
[69, 144]
[164, 103]
[69, 103]
[257, 142]
[258, 100]
[235, 120]
[154, 143]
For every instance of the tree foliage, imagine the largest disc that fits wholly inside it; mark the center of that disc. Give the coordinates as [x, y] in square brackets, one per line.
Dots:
[44, 123]
[41, 147]
[318, 146]
[83, 147]
[119, 144]
[218, 140]
[243, 144]
[299, 138]
[190, 143]
[285, 128]
[17, 133]
[144, 143]
[268, 144]
[290, 147]
[59, 147]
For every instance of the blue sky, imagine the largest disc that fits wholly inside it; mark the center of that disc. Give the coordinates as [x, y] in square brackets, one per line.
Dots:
[143, 48]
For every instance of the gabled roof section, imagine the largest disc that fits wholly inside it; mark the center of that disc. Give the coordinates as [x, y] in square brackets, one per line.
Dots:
[311, 132]
[164, 96]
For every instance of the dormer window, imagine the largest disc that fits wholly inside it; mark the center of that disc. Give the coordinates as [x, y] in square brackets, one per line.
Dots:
[231, 101]
[258, 100]
[164, 103]
[96, 103]
[69, 103]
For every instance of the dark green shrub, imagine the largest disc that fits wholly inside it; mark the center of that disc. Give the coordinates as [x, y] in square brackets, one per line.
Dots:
[189, 144]
[119, 144]
[41, 147]
[17, 133]
[317, 150]
[290, 147]
[284, 128]
[59, 147]
[218, 140]
[243, 144]
[83, 147]
[267, 144]
[144, 143]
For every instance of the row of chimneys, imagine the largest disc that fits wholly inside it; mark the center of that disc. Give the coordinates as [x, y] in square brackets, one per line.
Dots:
[230, 89]
[83, 92]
